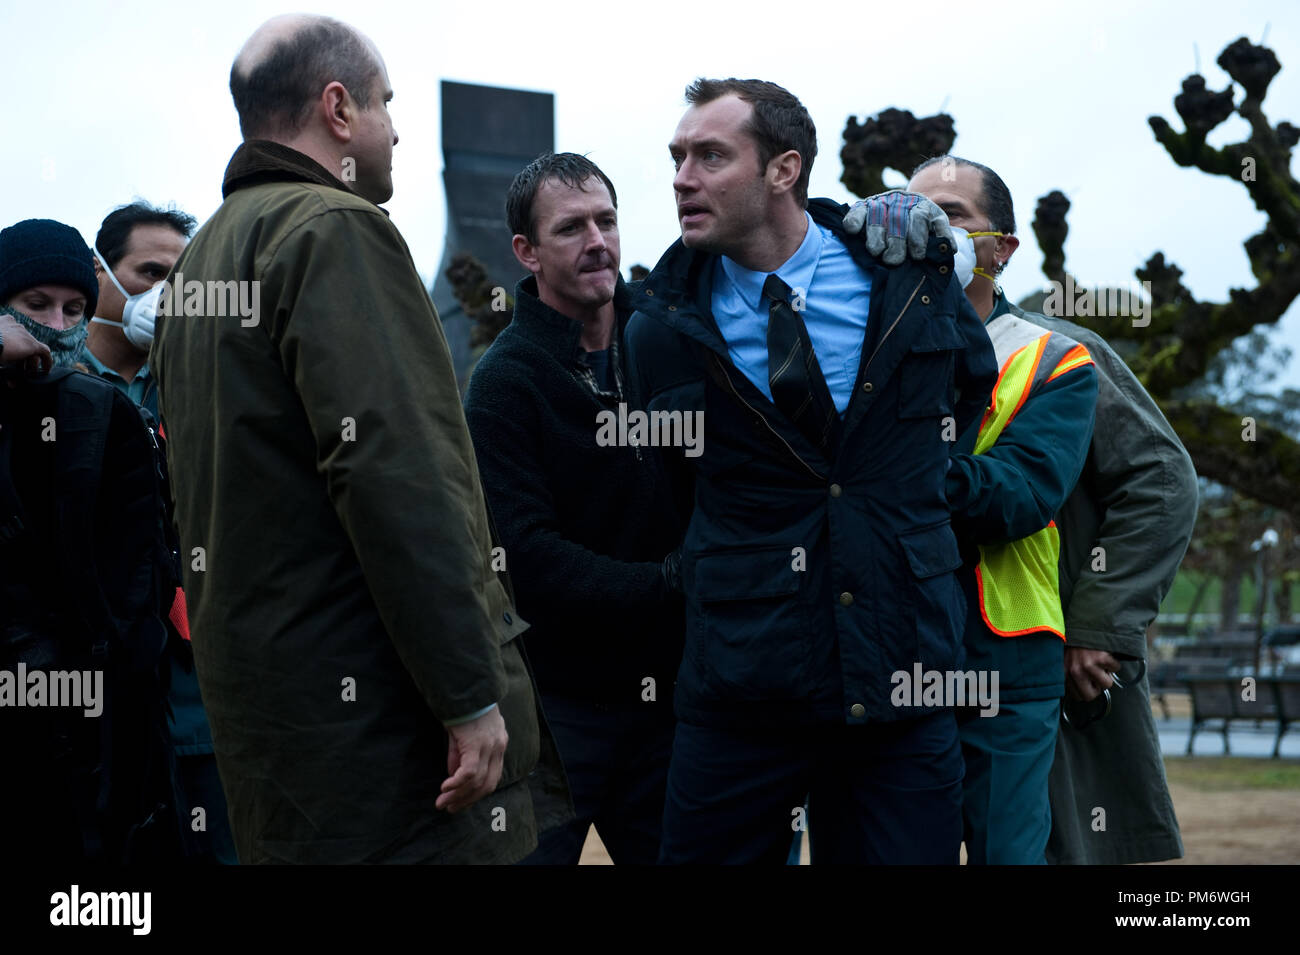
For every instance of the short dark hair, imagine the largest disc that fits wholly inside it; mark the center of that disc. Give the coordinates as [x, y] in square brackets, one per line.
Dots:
[779, 122]
[569, 168]
[277, 94]
[115, 231]
[996, 197]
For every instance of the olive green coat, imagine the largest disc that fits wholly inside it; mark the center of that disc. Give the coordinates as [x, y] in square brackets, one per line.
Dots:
[1136, 500]
[336, 541]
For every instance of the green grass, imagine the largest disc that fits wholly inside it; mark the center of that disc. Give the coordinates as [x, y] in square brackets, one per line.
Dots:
[1218, 773]
[1180, 595]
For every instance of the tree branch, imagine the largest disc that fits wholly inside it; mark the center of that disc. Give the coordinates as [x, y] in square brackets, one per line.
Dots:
[1264, 469]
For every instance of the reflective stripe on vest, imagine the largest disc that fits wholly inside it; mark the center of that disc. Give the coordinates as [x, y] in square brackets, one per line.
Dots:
[1018, 581]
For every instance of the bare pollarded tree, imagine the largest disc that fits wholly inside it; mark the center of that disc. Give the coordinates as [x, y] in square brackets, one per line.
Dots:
[1175, 355]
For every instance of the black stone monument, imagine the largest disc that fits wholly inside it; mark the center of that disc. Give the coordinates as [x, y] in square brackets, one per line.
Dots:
[488, 135]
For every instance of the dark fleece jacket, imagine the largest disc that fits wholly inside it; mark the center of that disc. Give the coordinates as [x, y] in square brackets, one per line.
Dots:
[585, 528]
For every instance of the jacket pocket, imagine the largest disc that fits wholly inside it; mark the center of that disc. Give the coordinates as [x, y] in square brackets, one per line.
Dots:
[938, 606]
[925, 377]
[520, 711]
[751, 625]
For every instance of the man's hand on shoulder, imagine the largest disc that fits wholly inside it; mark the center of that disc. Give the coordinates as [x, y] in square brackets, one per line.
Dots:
[895, 224]
[476, 752]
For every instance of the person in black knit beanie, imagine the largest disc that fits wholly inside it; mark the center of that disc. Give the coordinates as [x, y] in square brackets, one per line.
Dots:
[48, 285]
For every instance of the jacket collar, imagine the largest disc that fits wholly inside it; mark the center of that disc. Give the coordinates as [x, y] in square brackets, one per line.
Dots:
[557, 333]
[1000, 306]
[678, 292]
[259, 160]
[679, 289]
[830, 215]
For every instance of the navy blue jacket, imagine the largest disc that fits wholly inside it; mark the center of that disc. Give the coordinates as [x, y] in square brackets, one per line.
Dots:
[809, 581]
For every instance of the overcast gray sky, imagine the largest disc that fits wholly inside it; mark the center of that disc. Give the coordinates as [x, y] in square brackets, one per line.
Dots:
[112, 101]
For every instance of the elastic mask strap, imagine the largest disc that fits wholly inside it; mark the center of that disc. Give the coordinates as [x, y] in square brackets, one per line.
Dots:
[111, 275]
[979, 271]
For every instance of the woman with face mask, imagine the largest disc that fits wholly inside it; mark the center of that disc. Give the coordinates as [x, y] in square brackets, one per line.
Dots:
[48, 285]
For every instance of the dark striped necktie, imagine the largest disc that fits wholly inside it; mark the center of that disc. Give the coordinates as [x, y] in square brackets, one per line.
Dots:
[798, 387]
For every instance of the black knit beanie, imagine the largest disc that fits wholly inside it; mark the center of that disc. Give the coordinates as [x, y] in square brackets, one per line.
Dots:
[44, 252]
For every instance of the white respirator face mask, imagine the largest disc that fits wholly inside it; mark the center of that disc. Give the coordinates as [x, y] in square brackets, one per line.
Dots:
[963, 256]
[138, 314]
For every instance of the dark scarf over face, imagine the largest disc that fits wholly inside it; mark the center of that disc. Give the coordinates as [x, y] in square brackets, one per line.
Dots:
[67, 347]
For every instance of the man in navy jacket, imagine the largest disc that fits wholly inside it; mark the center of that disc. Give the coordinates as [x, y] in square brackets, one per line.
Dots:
[819, 557]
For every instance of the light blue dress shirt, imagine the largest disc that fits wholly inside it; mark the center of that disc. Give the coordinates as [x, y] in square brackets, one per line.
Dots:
[835, 293]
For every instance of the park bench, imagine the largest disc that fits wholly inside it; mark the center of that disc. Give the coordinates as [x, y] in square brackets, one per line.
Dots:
[1219, 697]
[1168, 675]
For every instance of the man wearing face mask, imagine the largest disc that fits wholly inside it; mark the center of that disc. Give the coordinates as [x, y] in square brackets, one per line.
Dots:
[136, 247]
[1007, 479]
[1136, 505]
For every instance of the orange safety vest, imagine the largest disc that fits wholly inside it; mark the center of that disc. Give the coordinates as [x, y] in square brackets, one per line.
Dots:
[1018, 581]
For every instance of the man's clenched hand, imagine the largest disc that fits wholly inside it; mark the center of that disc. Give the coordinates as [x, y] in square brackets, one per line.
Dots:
[476, 752]
[1088, 672]
[896, 224]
